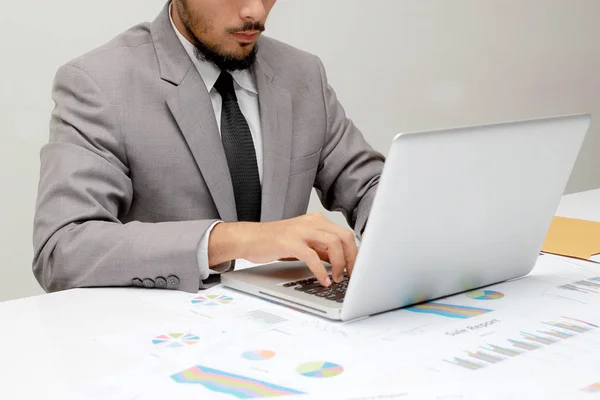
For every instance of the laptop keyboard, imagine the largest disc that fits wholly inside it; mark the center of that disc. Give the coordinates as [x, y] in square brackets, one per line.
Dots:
[335, 292]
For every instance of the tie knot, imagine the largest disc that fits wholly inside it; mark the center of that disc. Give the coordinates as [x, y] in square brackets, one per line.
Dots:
[224, 85]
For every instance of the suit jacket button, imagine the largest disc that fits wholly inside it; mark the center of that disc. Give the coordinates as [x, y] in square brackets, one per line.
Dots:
[137, 282]
[172, 282]
[149, 283]
[160, 282]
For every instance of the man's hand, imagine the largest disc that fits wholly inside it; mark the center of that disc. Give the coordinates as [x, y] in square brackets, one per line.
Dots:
[309, 238]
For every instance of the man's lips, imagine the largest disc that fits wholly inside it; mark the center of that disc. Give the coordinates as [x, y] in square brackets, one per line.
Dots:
[247, 36]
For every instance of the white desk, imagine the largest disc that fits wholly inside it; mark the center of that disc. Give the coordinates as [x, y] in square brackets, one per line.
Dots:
[44, 340]
[583, 205]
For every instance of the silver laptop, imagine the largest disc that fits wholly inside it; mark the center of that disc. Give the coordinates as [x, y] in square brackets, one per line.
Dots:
[455, 210]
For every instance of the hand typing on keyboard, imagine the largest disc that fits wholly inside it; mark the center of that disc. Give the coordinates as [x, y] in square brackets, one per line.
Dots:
[335, 292]
[310, 238]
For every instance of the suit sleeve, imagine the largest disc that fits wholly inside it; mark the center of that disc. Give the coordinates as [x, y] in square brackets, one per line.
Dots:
[349, 168]
[84, 189]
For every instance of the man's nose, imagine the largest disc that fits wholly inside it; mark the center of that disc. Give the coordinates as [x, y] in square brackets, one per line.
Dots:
[253, 10]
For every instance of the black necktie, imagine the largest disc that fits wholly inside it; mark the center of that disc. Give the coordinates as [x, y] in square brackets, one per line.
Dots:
[240, 153]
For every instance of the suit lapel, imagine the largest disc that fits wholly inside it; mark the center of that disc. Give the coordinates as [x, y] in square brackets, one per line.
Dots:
[192, 108]
[276, 124]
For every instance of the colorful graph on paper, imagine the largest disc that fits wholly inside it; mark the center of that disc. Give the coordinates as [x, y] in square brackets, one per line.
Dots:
[212, 300]
[175, 340]
[553, 332]
[238, 386]
[320, 369]
[595, 388]
[448, 310]
[586, 286]
[485, 295]
[258, 355]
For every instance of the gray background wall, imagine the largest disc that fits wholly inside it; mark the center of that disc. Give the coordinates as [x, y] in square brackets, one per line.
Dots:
[397, 65]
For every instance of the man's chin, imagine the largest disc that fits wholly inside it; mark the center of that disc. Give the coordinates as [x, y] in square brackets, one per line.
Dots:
[239, 49]
[240, 59]
[247, 45]
[242, 53]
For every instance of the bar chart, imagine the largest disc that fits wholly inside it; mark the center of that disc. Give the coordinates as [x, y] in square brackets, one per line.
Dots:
[491, 354]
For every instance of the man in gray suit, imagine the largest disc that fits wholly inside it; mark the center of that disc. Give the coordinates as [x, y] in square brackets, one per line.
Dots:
[190, 142]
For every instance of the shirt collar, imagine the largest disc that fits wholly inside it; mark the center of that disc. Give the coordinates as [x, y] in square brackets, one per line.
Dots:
[208, 71]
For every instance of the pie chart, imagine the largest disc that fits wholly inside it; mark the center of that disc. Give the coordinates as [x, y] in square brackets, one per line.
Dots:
[212, 300]
[174, 340]
[320, 369]
[258, 355]
[485, 295]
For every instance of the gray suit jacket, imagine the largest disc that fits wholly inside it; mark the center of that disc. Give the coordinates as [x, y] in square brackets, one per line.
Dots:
[134, 172]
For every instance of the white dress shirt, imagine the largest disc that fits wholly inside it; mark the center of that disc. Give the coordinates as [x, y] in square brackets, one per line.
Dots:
[247, 95]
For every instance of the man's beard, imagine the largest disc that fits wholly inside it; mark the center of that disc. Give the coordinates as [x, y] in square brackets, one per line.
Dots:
[214, 53]
[225, 62]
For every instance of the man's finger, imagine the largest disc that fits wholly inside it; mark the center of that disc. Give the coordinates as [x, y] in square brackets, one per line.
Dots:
[348, 243]
[312, 260]
[326, 242]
